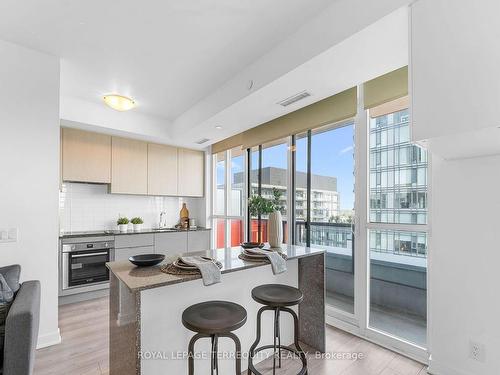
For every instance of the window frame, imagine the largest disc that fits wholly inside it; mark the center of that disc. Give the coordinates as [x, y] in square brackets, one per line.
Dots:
[226, 216]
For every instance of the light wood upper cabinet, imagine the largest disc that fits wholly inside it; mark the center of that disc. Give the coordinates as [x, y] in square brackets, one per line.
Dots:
[162, 169]
[191, 173]
[86, 156]
[129, 166]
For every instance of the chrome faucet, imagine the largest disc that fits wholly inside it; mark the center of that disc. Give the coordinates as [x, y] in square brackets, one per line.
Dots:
[163, 220]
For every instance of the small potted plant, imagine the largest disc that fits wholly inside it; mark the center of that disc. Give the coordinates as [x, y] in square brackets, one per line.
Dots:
[137, 222]
[122, 224]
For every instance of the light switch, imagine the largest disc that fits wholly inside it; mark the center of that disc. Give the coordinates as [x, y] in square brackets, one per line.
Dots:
[8, 235]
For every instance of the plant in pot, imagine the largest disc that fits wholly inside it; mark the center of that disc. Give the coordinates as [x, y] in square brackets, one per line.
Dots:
[258, 206]
[138, 223]
[122, 224]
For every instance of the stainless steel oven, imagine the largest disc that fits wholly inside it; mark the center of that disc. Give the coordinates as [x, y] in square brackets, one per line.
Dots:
[83, 265]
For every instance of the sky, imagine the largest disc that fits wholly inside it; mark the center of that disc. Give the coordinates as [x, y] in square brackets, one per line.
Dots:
[331, 155]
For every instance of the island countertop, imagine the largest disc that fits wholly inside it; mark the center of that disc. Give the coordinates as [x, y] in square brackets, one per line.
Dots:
[141, 278]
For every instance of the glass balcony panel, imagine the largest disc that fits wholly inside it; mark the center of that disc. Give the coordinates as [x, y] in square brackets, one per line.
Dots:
[332, 198]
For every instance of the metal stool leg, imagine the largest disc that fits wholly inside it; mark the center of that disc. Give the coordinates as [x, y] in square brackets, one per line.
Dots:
[276, 338]
[191, 351]
[279, 335]
[214, 355]
[237, 344]
[296, 337]
[257, 339]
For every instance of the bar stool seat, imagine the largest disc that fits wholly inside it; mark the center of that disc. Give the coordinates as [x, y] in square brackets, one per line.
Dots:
[277, 295]
[214, 319]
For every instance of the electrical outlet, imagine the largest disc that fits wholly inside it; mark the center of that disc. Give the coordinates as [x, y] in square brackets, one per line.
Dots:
[476, 351]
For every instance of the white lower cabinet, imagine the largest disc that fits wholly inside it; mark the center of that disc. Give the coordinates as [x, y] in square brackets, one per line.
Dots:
[171, 243]
[127, 252]
[198, 241]
[167, 243]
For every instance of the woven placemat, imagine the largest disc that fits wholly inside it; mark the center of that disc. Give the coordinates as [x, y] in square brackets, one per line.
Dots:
[173, 270]
[246, 258]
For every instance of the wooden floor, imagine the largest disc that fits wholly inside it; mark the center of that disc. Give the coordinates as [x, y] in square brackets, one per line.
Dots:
[84, 349]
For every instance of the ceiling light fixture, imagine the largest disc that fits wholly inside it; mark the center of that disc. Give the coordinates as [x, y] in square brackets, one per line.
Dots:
[119, 102]
[218, 127]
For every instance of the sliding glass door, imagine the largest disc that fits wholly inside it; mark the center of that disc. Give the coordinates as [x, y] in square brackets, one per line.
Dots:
[324, 205]
[397, 238]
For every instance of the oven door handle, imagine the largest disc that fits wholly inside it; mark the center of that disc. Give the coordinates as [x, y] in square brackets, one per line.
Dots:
[88, 255]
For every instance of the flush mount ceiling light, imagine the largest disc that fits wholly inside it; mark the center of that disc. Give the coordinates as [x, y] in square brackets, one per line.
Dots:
[119, 102]
[218, 127]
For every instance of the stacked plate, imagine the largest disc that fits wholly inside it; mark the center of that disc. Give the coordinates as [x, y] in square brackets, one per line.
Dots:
[254, 254]
[183, 266]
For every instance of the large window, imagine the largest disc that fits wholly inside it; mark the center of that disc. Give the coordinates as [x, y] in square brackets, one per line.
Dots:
[366, 171]
[397, 238]
[324, 204]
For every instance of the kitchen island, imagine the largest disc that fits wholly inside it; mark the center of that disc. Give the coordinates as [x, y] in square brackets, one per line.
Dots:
[146, 304]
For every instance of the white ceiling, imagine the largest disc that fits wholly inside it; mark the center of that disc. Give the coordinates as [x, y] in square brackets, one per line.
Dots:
[188, 63]
[167, 54]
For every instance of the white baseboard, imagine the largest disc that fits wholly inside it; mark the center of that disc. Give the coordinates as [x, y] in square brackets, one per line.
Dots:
[438, 368]
[49, 339]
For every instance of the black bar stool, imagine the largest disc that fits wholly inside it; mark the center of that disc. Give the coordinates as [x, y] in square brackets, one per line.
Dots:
[214, 319]
[278, 298]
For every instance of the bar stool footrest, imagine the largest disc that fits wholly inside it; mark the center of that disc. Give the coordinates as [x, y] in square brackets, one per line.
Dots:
[299, 354]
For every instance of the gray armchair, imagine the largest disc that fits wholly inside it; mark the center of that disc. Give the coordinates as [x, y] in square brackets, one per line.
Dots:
[21, 330]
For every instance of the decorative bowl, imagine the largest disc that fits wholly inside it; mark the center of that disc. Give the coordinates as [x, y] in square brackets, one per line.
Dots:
[251, 245]
[146, 260]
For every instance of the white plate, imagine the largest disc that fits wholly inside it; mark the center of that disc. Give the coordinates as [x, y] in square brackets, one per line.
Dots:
[181, 265]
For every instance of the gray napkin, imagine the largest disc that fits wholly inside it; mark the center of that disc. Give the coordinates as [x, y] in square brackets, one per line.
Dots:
[278, 264]
[210, 273]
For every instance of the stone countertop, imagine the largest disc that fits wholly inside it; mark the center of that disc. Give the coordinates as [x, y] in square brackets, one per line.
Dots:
[130, 232]
[140, 278]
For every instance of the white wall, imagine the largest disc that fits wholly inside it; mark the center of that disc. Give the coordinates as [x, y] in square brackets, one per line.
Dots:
[87, 207]
[454, 61]
[464, 265]
[100, 118]
[29, 154]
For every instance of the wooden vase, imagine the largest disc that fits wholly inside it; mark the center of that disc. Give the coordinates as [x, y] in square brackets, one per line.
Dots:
[275, 229]
[184, 216]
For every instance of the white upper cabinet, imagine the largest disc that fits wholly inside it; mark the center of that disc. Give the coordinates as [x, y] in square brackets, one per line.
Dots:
[129, 166]
[86, 156]
[162, 169]
[191, 173]
[454, 63]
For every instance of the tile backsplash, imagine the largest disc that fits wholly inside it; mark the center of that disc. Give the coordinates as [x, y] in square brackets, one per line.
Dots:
[88, 207]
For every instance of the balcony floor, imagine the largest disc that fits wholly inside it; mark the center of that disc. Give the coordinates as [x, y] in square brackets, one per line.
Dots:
[409, 327]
